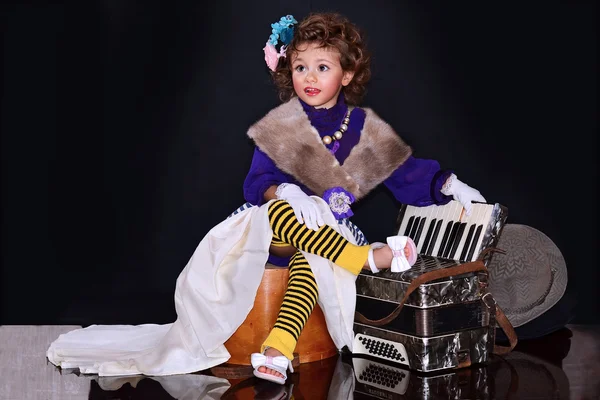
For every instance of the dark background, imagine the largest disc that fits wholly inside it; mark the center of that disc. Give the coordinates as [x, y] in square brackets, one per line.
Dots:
[124, 134]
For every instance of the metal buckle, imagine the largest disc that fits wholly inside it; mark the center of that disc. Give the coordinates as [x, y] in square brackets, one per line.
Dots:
[489, 300]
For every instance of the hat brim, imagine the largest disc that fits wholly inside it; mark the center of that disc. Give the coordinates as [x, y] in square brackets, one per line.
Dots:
[549, 254]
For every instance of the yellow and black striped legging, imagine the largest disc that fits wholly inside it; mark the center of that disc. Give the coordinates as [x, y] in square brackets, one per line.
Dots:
[301, 294]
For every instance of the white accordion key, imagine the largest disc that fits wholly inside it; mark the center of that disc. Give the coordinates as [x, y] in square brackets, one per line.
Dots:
[445, 231]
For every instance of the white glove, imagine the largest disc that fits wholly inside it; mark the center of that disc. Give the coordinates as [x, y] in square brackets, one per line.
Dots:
[304, 207]
[462, 193]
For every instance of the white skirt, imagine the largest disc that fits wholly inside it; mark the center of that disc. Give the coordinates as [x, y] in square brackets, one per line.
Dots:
[213, 295]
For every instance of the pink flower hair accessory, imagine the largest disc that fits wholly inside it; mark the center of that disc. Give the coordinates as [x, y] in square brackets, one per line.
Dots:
[272, 56]
[282, 33]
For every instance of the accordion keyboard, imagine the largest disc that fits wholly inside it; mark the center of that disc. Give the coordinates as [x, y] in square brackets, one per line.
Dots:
[446, 232]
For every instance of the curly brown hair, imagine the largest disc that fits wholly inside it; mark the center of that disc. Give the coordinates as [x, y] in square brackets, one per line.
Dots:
[332, 31]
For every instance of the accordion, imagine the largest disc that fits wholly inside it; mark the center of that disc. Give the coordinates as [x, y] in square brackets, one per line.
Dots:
[437, 315]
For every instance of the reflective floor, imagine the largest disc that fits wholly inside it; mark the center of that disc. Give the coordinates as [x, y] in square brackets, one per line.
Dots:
[563, 365]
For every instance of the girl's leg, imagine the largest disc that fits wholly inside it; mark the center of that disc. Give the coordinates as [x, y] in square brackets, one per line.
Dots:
[301, 294]
[298, 302]
[325, 242]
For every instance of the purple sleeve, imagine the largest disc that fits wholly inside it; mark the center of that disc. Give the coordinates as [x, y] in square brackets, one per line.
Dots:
[418, 182]
[262, 175]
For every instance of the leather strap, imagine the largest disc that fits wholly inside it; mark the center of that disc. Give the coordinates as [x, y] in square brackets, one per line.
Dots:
[509, 331]
[473, 266]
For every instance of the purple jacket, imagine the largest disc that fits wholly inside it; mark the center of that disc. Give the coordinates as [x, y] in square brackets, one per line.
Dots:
[416, 182]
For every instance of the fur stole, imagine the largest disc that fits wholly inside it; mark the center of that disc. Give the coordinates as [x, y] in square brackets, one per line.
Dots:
[286, 135]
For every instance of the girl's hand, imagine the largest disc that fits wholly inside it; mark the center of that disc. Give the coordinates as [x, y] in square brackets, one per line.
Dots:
[304, 207]
[462, 193]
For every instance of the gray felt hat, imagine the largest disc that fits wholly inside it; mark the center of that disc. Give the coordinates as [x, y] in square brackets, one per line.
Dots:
[530, 278]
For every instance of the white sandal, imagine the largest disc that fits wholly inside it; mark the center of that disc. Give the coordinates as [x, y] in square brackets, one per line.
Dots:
[375, 245]
[280, 364]
[399, 261]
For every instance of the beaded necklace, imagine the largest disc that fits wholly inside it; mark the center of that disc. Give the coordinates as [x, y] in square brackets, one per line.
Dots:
[337, 135]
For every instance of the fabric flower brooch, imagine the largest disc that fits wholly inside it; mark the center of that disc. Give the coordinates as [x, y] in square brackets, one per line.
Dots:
[282, 32]
[339, 201]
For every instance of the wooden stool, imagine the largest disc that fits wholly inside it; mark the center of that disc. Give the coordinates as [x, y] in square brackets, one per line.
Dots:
[314, 342]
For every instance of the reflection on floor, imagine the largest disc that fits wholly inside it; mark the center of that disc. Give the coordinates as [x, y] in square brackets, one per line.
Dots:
[564, 365]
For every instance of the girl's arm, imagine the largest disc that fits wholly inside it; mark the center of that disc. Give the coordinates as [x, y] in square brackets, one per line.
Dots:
[270, 193]
[262, 179]
[418, 182]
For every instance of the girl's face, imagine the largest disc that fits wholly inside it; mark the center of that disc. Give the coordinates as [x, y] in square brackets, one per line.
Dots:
[317, 75]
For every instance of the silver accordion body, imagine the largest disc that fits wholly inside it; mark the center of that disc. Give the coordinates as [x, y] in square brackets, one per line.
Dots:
[447, 323]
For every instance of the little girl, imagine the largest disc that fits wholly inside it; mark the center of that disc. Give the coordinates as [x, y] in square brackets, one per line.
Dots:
[319, 143]
[316, 155]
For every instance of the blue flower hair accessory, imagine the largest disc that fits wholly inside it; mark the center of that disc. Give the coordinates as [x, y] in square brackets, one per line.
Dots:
[282, 32]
